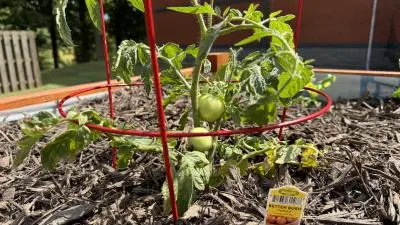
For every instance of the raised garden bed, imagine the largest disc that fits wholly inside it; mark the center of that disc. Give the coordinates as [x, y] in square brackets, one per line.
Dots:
[361, 164]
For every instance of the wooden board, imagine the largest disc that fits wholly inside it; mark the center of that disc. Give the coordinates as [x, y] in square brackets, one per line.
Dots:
[18, 60]
[10, 60]
[34, 56]
[3, 71]
[27, 59]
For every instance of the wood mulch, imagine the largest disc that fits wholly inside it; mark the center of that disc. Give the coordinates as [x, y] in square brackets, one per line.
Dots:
[357, 180]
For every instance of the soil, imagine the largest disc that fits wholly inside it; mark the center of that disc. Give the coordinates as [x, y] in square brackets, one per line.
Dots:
[357, 180]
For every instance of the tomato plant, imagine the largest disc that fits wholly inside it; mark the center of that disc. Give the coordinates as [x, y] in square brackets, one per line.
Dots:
[247, 90]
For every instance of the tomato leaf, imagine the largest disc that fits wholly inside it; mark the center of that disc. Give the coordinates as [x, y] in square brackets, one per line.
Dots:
[256, 82]
[199, 9]
[194, 159]
[186, 191]
[137, 4]
[192, 50]
[290, 85]
[288, 155]
[396, 94]
[61, 21]
[309, 157]
[132, 59]
[257, 36]
[33, 131]
[25, 144]
[253, 14]
[124, 155]
[66, 146]
[94, 12]
[165, 192]
[262, 112]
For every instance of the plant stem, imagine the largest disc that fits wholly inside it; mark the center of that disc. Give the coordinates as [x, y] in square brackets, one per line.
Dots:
[200, 19]
[177, 72]
[194, 91]
[210, 16]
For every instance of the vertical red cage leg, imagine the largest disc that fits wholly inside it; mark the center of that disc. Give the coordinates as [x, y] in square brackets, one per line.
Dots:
[161, 116]
[296, 44]
[108, 75]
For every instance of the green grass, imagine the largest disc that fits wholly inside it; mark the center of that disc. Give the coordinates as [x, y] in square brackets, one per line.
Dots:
[67, 76]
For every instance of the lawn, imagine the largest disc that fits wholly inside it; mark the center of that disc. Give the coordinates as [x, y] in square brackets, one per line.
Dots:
[67, 76]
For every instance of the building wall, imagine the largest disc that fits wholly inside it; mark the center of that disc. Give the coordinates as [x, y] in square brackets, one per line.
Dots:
[325, 22]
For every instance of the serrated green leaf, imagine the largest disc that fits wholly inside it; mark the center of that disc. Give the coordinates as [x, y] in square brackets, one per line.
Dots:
[194, 159]
[235, 12]
[25, 145]
[290, 85]
[186, 191]
[199, 9]
[256, 36]
[286, 18]
[124, 155]
[288, 155]
[94, 12]
[170, 50]
[128, 62]
[61, 21]
[256, 83]
[275, 14]
[221, 73]
[396, 94]
[192, 50]
[283, 29]
[165, 192]
[309, 157]
[82, 119]
[226, 11]
[262, 112]
[66, 146]
[253, 14]
[137, 4]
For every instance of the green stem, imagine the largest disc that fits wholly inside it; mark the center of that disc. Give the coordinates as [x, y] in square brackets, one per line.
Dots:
[200, 19]
[253, 154]
[210, 16]
[177, 72]
[194, 92]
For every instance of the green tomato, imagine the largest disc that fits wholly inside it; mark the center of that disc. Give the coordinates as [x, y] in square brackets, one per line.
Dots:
[200, 144]
[211, 108]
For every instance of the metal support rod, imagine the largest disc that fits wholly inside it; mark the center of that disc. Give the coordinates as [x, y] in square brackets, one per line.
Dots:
[371, 34]
[108, 74]
[151, 37]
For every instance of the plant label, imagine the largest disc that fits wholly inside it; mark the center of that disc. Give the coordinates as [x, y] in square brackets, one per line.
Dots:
[285, 205]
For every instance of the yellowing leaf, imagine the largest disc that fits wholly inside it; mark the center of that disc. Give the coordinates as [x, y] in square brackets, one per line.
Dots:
[309, 157]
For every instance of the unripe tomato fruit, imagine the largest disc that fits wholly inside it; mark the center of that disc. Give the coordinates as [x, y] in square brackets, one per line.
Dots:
[200, 144]
[271, 219]
[211, 107]
[280, 220]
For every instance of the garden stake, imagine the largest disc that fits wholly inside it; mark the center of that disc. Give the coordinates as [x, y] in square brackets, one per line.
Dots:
[296, 45]
[160, 109]
[108, 75]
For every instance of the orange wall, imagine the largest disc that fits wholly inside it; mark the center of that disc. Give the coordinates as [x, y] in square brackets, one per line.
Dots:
[324, 21]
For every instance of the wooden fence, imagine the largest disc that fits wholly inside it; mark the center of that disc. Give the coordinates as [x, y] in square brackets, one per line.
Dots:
[19, 65]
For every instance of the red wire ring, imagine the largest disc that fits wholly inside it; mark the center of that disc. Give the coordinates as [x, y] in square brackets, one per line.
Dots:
[176, 134]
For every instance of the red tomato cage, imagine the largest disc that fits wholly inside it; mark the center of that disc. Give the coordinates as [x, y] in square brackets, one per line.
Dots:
[163, 134]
